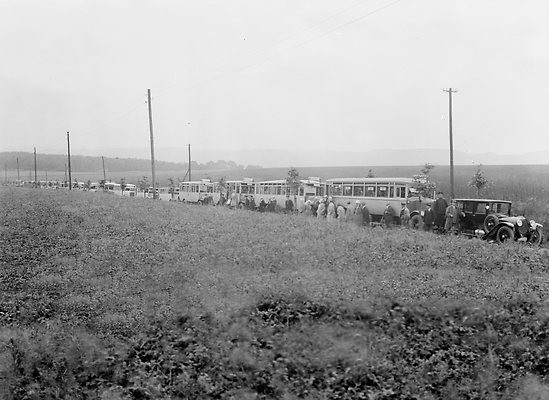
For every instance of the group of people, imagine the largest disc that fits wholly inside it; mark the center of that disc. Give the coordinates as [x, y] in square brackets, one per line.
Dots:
[439, 216]
[326, 208]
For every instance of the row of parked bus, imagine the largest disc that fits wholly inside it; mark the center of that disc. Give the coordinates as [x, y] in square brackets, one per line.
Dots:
[375, 192]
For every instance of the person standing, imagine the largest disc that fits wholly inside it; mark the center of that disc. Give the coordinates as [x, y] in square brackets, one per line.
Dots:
[262, 205]
[440, 211]
[404, 216]
[357, 213]
[289, 205]
[428, 218]
[349, 212]
[452, 218]
[321, 210]
[341, 212]
[234, 200]
[366, 218]
[314, 207]
[389, 215]
[331, 210]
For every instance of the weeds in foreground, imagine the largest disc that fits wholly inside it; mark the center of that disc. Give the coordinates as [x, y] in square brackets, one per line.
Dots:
[103, 297]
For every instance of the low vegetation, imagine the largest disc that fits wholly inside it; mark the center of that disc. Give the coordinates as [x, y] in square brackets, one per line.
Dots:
[103, 297]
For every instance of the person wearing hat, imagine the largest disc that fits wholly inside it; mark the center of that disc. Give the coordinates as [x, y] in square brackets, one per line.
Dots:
[366, 218]
[440, 211]
[452, 218]
[289, 205]
[388, 215]
[404, 215]
[331, 212]
[341, 213]
[321, 210]
[357, 213]
[349, 212]
[428, 217]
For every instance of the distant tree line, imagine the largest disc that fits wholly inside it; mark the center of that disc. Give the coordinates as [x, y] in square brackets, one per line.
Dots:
[57, 162]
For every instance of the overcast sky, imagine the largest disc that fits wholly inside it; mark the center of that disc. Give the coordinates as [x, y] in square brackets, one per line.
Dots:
[274, 74]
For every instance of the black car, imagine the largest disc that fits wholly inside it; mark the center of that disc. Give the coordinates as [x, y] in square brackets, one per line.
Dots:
[491, 220]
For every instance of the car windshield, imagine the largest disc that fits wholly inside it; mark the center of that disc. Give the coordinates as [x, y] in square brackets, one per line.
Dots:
[500, 208]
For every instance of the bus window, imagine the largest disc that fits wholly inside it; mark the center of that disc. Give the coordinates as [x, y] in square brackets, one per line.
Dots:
[347, 190]
[401, 191]
[382, 191]
[371, 191]
[392, 191]
[336, 189]
[358, 190]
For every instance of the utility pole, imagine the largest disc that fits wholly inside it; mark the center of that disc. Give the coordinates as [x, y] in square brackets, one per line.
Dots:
[104, 175]
[189, 162]
[152, 142]
[69, 159]
[450, 91]
[18, 179]
[35, 178]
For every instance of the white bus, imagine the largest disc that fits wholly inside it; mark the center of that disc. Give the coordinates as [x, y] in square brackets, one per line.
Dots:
[279, 190]
[201, 192]
[113, 187]
[241, 188]
[376, 193]
[130, 190]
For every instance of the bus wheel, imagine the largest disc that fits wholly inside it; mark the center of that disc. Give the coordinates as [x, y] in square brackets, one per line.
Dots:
[199, 202]
[415, 222]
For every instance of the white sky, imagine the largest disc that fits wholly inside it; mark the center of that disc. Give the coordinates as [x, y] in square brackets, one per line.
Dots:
[347, 75]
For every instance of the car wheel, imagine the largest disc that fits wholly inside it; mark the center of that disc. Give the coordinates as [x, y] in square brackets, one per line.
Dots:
[504, 233]
[490, 221]
[415, 222]
[536, 238]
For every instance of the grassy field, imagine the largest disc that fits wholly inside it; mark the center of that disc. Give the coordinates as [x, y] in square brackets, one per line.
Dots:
[103, 297]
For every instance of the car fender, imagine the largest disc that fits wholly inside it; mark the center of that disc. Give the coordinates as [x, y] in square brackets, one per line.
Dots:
[492, 233]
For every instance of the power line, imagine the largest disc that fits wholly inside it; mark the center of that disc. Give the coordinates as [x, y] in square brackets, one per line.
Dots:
[245, 67]
[280, 41]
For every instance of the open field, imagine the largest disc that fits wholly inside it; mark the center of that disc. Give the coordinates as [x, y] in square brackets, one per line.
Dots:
[105, 297]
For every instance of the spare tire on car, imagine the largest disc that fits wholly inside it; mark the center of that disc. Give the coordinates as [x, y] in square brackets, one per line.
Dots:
[490, 221]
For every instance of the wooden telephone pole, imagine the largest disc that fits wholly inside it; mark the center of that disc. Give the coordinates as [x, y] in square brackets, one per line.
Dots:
[69, 160]
[35, 177]
[450, 91]
[152, 143]
[104, 175]
[189, 162]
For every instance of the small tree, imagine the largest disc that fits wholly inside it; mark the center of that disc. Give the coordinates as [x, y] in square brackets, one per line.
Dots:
[171, 185]
[143, 184]
[122, 184]
[424, 186]
[478, 181]
[292, 181]
[222, 185]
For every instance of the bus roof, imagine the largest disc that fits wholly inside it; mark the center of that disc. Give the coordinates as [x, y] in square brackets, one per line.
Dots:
[371, 180]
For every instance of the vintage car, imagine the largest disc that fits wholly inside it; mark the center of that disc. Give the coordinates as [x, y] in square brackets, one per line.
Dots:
[491, 220]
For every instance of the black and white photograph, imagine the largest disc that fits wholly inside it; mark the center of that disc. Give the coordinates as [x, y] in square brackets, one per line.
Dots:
[263, 200]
